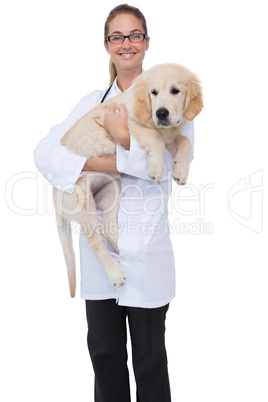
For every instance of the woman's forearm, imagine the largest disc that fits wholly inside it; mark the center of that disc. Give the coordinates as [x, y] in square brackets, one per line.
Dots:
[105, 164]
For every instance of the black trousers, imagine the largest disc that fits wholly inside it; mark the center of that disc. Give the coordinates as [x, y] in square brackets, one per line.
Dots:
[107, 339]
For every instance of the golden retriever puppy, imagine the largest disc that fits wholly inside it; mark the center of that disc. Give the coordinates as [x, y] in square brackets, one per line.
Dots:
[158, 106]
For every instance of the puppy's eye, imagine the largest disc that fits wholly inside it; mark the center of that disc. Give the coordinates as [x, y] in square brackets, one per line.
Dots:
[175, 91]
[154, 92]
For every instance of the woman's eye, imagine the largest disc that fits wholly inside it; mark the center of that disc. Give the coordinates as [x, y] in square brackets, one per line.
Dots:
[116, 39]
[154, 92]
[136, 36]
[175, 91]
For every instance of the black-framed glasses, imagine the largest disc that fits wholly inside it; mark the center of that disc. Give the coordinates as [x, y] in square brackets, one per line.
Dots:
[134, 38]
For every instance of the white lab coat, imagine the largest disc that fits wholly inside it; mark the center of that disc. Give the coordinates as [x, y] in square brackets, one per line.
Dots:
[146, 253]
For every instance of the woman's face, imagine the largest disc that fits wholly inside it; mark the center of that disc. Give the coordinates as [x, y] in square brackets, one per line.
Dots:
[127, 55]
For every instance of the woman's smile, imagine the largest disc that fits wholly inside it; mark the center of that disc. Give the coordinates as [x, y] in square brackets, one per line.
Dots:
[127, 55]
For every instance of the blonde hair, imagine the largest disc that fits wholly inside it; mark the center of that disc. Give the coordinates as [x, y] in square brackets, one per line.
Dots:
[122, 9]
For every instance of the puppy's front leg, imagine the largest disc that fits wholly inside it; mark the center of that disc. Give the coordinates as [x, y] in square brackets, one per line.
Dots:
[181, 150]
[153, 142]
[156, 161]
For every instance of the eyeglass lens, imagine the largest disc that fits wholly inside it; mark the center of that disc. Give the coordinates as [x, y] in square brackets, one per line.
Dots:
[120, 38]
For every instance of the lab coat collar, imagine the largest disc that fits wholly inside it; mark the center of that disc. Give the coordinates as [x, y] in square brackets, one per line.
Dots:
[116, 88]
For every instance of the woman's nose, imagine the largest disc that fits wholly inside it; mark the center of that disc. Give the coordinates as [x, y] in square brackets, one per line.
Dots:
[127, 44]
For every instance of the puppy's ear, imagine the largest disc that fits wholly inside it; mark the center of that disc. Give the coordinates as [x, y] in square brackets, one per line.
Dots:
[193, 103]
[142, 103]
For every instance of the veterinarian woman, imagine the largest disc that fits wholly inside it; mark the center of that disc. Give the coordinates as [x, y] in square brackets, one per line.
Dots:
[145, 248]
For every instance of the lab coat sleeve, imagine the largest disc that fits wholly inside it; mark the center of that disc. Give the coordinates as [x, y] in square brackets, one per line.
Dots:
[59, 166]
[134, 161]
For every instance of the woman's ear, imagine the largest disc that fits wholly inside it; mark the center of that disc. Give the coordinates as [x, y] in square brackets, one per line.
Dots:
[106, 46]
[147, 43]
[142, 103]
[193, 102]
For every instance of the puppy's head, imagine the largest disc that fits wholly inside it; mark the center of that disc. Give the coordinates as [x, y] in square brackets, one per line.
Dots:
[166, 94]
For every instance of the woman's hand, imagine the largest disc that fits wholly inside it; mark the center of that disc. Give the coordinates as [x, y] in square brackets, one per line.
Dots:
[105, 164]
[115, 122]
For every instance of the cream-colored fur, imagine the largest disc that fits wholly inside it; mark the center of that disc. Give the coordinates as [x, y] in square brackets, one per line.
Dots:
[158, 106]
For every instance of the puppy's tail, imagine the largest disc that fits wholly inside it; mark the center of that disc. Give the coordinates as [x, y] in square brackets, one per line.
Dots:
[65, 235]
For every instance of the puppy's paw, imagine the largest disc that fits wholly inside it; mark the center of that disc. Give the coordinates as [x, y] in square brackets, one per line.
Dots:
[116, 275]
[155, 173]
[118, 279]
[180, 174]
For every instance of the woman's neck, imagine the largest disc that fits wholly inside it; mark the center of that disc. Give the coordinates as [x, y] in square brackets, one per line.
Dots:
[125, 78]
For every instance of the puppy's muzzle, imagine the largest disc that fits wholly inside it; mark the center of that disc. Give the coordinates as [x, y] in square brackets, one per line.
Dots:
[162, 115]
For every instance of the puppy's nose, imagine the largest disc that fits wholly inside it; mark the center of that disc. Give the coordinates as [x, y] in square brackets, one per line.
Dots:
[162, 113]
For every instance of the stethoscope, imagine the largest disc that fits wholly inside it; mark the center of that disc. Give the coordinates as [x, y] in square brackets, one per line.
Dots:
[106, 93]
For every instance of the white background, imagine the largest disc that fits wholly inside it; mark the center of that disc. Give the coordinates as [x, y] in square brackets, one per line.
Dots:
[52, 54]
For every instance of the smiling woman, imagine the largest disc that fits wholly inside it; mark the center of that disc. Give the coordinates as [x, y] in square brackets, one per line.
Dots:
[126, 54]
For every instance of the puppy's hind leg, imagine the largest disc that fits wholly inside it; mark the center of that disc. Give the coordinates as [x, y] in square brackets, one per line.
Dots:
[93, 236]
[108, 200]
